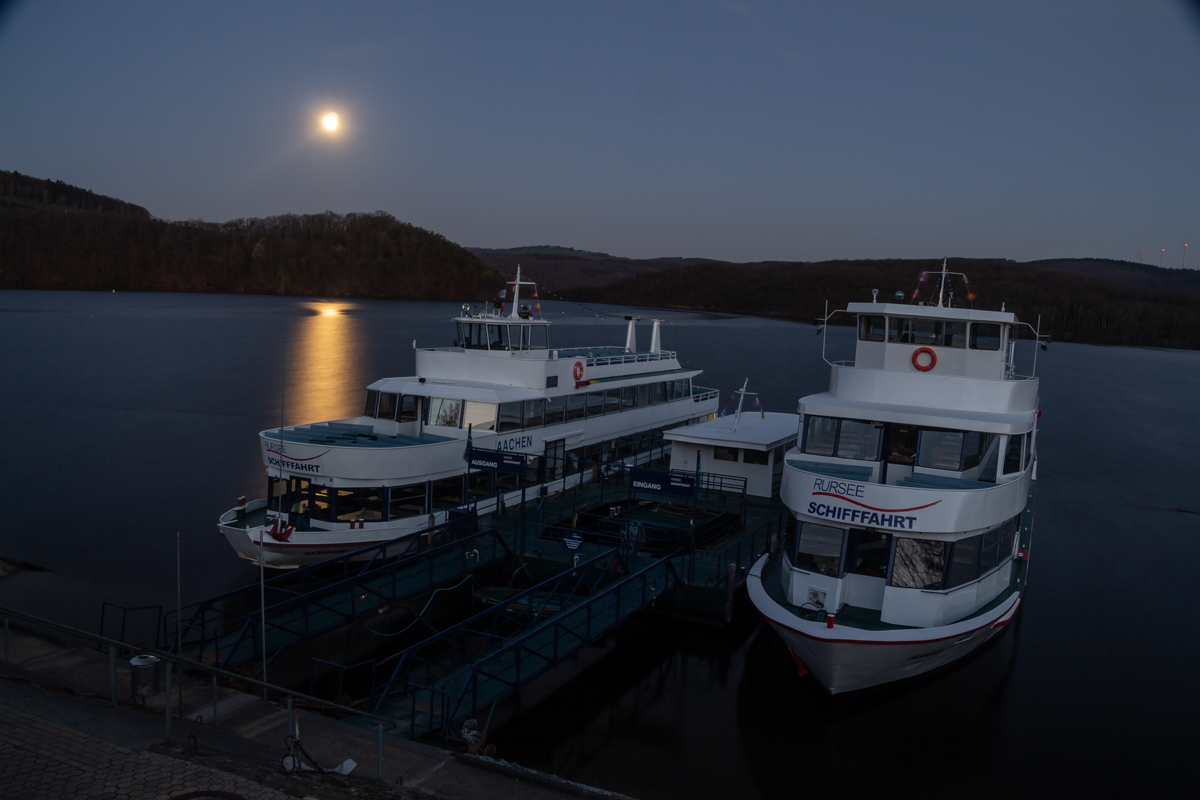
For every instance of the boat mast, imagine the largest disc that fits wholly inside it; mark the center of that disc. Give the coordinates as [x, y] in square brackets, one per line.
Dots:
[942, 286]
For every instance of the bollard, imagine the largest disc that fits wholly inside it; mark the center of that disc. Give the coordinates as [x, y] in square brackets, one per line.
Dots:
[112, 674]
[379, 763]
[167, 704]
[216, 719]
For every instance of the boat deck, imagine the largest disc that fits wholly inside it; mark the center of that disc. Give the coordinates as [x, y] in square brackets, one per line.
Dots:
[345, 434]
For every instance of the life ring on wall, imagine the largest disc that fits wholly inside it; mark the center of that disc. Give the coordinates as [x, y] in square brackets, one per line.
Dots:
[578, 370]
[917, 359]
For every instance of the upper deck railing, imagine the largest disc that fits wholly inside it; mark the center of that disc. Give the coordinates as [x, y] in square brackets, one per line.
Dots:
[631, 358]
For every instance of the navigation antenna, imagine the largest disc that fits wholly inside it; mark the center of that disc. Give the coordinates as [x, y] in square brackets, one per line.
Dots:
[516, 287]
[737, 419]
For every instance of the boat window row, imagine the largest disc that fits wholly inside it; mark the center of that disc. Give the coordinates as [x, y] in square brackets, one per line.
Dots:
[518, 415]
[501, 336]
[931, 448]
[915, 563]
[929, 332]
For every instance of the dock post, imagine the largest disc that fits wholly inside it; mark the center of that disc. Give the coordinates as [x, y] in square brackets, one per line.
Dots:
[216, 719]
[167, 705]
[112, 674]
[379, 763]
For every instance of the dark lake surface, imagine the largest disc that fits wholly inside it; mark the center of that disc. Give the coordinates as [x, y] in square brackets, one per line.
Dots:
[128, 417]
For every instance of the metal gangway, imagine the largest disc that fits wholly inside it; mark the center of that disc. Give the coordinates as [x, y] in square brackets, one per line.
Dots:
[228, 630]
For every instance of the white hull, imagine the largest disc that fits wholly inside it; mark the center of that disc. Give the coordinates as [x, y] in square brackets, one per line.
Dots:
[845, 659]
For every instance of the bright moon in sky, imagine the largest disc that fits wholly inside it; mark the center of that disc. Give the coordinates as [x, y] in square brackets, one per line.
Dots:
[330, 121]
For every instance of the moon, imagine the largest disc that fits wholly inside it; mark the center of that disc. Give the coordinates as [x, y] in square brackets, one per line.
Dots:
[330, 121]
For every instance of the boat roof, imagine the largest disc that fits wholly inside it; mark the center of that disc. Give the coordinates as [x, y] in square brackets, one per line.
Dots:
[456, 389]
[828, 405]
[756, 430]
[345, 434]
[932, 312]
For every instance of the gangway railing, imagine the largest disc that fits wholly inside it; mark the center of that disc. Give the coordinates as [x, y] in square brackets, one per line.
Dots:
[235, 637]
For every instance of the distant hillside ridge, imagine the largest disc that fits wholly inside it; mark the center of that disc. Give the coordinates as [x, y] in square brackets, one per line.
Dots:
[558, 268]
[24, 191]
[1074, 307]
[116, 245]
[1129, 273]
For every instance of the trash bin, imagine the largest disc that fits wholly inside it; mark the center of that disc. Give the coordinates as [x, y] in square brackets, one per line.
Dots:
[143, 676]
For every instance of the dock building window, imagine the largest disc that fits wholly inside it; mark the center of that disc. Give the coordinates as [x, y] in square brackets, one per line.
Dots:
[819, 549]
[754, 456]
[872, 328]
[725, 453]
[479, 416]
[985, 336]
[918, 564]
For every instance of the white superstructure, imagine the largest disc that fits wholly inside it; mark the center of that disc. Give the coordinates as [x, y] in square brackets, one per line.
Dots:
[911, 494]
[400, 466]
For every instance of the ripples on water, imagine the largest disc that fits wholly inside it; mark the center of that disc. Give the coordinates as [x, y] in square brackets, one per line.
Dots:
[131, 416]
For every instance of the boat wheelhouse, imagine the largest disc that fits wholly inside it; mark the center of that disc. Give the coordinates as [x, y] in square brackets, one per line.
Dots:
[911, 499]
[400, 466]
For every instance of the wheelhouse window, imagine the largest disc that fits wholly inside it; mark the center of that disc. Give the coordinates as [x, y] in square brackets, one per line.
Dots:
[535, 413]
[902, 444]
[918, 564]
[872, 328]
[556, 409]
[867, 553]
[510, 417]
[985, 336]
[472, 335]
[444, 411]
[538, 339]
[479, 416]
[497, 337]
[819, 549]
[1012, 455]
[975, 447]
[954, 334]
[387, 406]
[938, 449]
[725, 453]
[859, 440]
[754, 456]
[916, 330]
[410, 408]
[820, 435]
[372, 400]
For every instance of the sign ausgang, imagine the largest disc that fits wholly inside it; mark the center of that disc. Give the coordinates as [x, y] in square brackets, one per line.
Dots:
[494, 461]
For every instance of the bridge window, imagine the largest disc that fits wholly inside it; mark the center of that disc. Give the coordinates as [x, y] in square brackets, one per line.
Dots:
[985, 336]
[406, 501]
[918, 564]
[510, 417]
[938, 449]
[410, 408]
[867, 553]
[387, 406]
[479, 416]
[859, 440]
[1012, 455]
[497, 337]
[538, 340]
[535, 411]
[954, 334]
[872, 328]
[472, 335]
[444, 411]
[902, 444]
[556, 408]
[819, 549]
[964, 562]
[975, 446]
[820, 435]
[372, 399]
[915, 330]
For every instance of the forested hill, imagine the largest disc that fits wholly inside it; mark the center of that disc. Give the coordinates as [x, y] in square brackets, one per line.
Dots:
[1075, 307]
[56, 236]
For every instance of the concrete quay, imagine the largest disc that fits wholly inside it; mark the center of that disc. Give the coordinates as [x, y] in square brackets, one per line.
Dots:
[60, 737]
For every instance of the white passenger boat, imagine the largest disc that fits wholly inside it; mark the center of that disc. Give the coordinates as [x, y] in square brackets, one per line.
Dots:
[911, 498]
[401, 467]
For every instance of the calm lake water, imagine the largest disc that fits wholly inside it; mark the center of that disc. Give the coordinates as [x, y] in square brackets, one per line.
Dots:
[129, 417]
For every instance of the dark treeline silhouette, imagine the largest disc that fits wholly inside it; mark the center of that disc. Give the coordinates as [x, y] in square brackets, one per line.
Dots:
[107, 244]
[1076, 308]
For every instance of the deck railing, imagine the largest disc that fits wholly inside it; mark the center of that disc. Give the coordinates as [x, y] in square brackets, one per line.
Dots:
[630, 358]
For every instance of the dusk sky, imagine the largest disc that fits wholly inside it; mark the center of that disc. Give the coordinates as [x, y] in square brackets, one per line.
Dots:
[743, 131]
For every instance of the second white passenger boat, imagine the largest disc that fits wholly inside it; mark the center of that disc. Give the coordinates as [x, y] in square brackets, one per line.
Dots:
[400, 467]
[911, 499]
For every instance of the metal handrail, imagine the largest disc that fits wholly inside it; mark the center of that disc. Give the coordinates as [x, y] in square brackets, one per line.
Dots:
[164, 655]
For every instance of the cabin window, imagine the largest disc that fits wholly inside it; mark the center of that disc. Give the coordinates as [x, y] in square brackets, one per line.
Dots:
[859, 440]
[681, 389]
[447, 493]
[1008, 532]
[938, 449]
[1028, 448]
[406, 501]
[576, 406]
[872, 328]
[556, 409]
[954, 334]
[360, 504]
[479, 416]
[524, 343]
[975, 446]
[916, 330]
[1012, 455]
[535, 411]
[902, 444]
[372, 399]
[479, 484]
[657, 395]
[444, 411]
[820, 435]
[510, 417]
[595, 404]
[537, 338]
[497, 337]
[725, 453]
[551, 381]
[612, 401]
[985, 336]
[643, 394]
[629, 397]
[918, 564]
[867, 553]
[989, 553]
[322, 505]
[964, 562]
[471, 335]
[410, 408]
[819, 549]
[387, 406]
[755, 456]
[668, 391]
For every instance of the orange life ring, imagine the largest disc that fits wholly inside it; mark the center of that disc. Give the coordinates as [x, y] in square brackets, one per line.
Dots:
[578, 370]
[917, 359]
